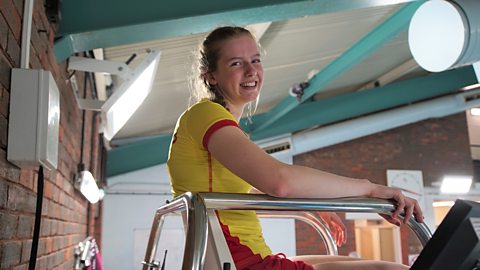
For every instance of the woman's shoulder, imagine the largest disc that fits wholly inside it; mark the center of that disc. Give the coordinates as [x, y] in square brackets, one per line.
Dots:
[206, 106]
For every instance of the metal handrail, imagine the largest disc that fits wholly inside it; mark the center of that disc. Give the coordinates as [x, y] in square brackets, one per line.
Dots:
[318, 224]
[197, 232]
[235, 201]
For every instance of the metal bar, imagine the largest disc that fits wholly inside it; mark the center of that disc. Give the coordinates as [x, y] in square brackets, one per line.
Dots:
[196, 206]
[356, 104]
[154, 150]
[233, 201]
[318, 224]
[352, 129]
[180, 203]
[101, 66]
[369, 44]
[91, 24]
[197, 232]
[197, 235]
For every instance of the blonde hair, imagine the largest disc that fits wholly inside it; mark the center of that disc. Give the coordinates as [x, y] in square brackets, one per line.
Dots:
[207, 59]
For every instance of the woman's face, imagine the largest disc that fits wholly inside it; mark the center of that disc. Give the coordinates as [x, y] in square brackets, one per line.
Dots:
[239, 73]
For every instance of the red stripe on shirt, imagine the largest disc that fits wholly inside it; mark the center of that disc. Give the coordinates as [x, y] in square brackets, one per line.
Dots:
[216, 126]
[210, 178]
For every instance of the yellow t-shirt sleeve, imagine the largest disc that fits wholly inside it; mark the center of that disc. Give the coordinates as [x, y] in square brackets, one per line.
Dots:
[205, 118]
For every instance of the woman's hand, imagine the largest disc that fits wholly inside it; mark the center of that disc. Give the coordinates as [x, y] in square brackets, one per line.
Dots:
[404, 204]
[336, 227]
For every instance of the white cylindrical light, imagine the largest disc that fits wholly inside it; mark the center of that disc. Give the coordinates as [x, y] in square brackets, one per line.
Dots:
[454, 184]
[445, 34]
[88, 186]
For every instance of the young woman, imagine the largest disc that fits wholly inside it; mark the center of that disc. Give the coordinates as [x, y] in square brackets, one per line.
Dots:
[210, 153]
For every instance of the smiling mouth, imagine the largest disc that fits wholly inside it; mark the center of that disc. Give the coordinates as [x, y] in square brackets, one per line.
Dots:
[248, 84]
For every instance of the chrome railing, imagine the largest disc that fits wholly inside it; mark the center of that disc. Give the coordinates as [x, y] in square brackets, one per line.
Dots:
[317, 223]
[197, 232]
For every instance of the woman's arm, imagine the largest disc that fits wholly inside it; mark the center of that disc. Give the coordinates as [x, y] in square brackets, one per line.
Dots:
[241, 156]
[235, 151]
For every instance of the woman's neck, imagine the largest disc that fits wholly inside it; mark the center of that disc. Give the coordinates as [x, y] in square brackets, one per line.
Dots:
[236, 110]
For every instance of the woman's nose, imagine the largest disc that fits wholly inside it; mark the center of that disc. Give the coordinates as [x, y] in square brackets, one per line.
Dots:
[250, 70]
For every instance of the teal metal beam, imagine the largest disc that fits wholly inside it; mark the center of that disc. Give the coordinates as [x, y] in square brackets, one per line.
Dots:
[369, 44]
[139, 155]
[90, 24]
[339, 108]
[154, 151]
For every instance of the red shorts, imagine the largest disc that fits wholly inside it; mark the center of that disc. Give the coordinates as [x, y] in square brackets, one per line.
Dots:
[245, 259]
[279, 261]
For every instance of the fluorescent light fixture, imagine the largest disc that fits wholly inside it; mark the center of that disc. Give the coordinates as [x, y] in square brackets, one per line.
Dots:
[453, 184]
[88, 186]
[128, 97]
[444, 34]
[443, 204]
[475, 111]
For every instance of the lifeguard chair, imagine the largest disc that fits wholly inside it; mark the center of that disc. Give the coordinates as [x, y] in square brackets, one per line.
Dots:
[206, 247]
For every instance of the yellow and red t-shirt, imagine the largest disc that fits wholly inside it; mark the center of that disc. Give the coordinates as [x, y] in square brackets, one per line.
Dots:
[193, 168]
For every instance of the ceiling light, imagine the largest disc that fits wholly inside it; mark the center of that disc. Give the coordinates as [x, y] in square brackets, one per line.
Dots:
[475, 111]
[445, 34]
[128, 97]
[452, 184]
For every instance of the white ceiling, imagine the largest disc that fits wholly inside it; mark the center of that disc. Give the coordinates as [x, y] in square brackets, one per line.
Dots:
[292, 49]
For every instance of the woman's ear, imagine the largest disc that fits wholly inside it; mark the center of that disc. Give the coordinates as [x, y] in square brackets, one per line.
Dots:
[210, 78]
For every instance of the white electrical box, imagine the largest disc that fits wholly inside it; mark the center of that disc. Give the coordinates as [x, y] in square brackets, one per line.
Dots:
[34, 119]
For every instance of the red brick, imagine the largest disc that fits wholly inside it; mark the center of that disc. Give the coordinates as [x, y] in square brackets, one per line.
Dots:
[3, 131]
[56, 194]
[3, 193]
[48, 190]
[4, 101]
[25, 226]
[8, 10]
[40, 11]
[21, 200]
[34, 60]
[8, 226]
[41, 263]
[10, 173]
[26, 248]
[13, 50]
[26, 178]
[19, 6]
[5, 68]
[38, 39]
[3, 32]
[45, 228]
[10, 253]
[21, 267]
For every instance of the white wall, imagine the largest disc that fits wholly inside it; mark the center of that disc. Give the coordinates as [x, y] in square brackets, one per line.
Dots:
[474, 134]
[129, 206]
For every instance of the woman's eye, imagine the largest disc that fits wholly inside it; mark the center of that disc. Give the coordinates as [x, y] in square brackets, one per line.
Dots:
[257, 61]
[236, 63]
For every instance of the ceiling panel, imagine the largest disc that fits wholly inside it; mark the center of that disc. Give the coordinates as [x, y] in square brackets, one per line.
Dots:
[292, 48]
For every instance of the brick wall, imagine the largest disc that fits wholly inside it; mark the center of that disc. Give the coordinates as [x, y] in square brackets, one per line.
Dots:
[65, 211]
[436, 147]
